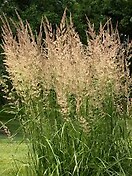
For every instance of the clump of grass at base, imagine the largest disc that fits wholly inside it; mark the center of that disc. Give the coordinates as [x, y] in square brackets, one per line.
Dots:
[72, 99]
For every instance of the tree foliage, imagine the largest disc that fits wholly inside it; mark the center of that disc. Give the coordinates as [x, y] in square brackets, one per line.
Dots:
[96, 10]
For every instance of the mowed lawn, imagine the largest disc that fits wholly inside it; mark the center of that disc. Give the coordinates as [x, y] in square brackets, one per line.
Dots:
[13, 157]
[13, 152]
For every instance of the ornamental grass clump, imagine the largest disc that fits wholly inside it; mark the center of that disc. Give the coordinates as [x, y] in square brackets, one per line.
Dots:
[72, 99]
[23, 57]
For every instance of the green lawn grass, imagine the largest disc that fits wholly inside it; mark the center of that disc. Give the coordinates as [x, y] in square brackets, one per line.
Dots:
[13, 157]
[13, 151]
